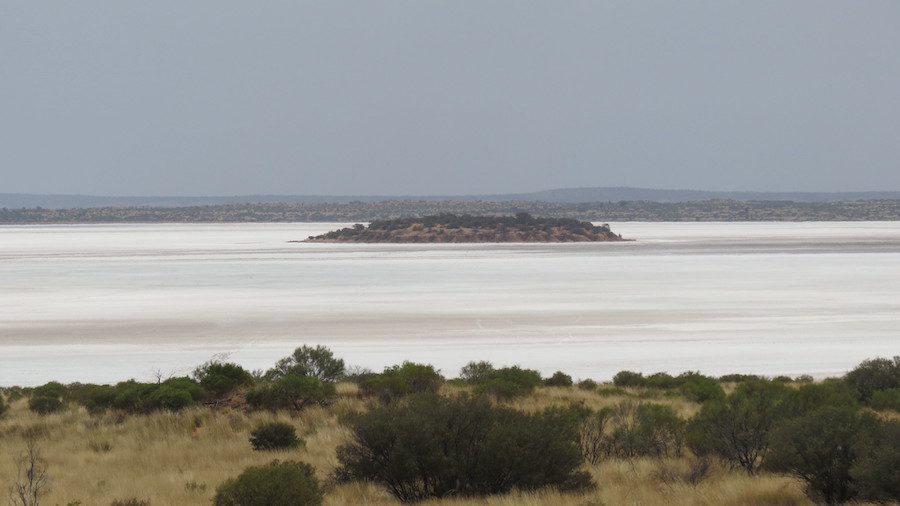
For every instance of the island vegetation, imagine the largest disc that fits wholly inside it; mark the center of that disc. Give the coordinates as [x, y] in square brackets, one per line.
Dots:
[312, 431]
[454, 228]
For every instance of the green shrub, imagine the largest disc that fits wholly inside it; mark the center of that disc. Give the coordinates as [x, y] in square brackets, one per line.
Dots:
[702, 389]
[818, 448]
[287, 483]
[738, 428]
[400, 380]
[645, 430]
[95, 398]
[509, 382]
[876, 472]
[291, 392]
[813, 396]
[738, 378]
[135, 397]
[426, 446]
[45, 405]
[559, 379]
[317, 362]
[873, 375]
[274, 436]
[628, 379]
[221, 379]
[886, 399]
[476, 372]
[611, 392]
[661, 381]
[3, 406]
[587, 384]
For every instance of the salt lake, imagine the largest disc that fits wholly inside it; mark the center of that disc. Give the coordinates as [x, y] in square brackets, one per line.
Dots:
[103, 303]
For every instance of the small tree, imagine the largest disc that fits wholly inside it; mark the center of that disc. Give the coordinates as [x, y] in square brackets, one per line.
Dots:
[400, 380]
[559, 379]
[32, 481]
[317, 362]
[291, 392]
[287, 483]
[476, 372]
[222, 378]
[818, 448]
[873, 375]
[876, 472]
[738, 428]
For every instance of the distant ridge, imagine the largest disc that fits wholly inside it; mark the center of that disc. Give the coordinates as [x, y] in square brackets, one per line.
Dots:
[561, 195]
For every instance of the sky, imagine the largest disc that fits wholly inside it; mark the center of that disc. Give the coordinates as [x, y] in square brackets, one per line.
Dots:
[132, 97]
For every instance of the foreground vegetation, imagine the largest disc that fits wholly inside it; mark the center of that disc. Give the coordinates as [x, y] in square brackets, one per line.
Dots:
[311, 431]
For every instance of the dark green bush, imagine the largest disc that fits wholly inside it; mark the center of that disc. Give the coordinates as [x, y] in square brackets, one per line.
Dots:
[317, 362]
[645, 430]
[818, 448]
[427, 446]
[135, 397]
[886, 399]
[509, 382]
[738, 378]
[873, 375]
[221, 379]
[661, 381]
[476, 372]
[813, 396]
[628, 379]
[702, 389]
[400, 380]
[876, 472]
[291, 392]
[48, 398]
[285, 483]
[738, 428]
[3, 406]
[559, 379]
[587, 384]
[274, 436]
[96, 398]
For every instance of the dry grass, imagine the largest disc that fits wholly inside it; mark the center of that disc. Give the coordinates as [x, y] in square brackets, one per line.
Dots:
[180, 459]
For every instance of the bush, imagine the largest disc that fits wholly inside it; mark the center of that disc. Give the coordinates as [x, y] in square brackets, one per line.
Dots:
[738, 378]
[3, 406]
[873, 375]
[427, 446]
[316, 362]
[587, 384]
[886, 399]
[221, 379]
[134, 397]
[476, 372]
[285, 483]
[45, 405]
[645, 430]
[628, 379]
[95, 398]
[738, 428]
[274, 436]
[400, 380]
[559, 379]
[814, 396]
[291, 392]
[876, 472]
[509, 382]
[702, 389]
[592, 435]
[818, 448]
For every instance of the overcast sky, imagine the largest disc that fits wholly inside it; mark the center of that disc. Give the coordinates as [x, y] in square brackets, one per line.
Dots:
[174, 97]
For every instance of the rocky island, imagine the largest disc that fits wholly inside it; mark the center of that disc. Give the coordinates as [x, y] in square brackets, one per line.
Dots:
[454, 228]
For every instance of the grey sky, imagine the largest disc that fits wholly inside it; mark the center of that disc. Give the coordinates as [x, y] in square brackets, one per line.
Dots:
[221, 97]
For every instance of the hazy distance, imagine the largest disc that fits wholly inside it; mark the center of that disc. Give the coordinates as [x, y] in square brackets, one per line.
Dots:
[447, 98]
